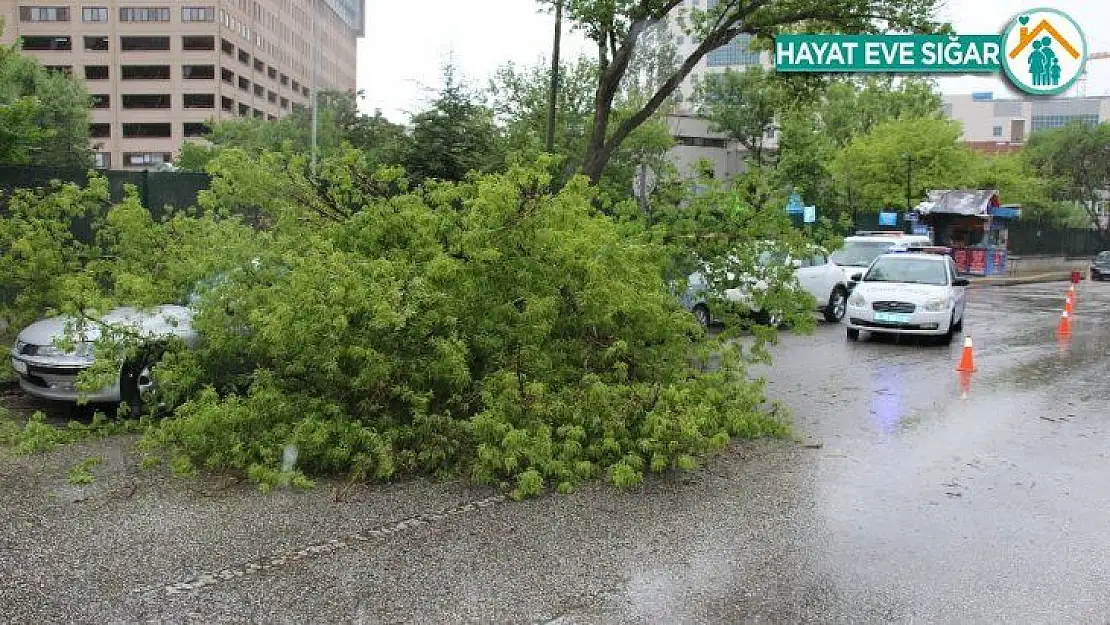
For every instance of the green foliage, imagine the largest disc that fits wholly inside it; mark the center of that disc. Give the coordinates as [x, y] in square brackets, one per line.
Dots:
[81, 473]
[742, 105]
[44, 116]
[38, 436]
[454, 136]
[927, 150]
[1075, 163]
[1019, 183]
[339, 124]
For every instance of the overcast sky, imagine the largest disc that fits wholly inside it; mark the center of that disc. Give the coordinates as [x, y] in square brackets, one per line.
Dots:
[407, 42]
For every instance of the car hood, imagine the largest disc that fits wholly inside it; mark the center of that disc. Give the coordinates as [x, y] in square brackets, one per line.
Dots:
[893, 291]
[153, 322]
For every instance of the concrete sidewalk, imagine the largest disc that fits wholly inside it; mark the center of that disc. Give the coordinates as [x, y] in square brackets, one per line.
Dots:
[1053, 276]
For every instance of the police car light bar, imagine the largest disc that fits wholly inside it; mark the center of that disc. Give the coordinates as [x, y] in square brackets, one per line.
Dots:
[883, 233]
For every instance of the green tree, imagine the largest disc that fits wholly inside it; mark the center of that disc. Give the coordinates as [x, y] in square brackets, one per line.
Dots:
[1018, 182]
[1075, 161]
[617, 28]
[44, 116]
[455, 135]
[339, 123]
[743, 106]
[925, 153]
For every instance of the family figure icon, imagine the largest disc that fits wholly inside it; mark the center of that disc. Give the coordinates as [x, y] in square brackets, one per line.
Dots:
[1044, 67]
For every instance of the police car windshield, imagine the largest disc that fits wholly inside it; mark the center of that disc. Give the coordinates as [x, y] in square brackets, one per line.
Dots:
[860, 253]
[908, 270]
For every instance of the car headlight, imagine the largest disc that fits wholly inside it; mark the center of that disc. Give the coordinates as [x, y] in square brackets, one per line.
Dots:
[935, 305]
[84, 350]
[857, 299]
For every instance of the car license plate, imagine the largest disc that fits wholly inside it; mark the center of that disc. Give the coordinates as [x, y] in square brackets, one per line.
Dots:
[20, 366]
[884, 317]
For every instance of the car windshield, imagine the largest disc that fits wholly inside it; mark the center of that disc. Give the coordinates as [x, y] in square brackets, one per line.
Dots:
[768, 258]
[860, 253]
[908, 270]
[1103, 257]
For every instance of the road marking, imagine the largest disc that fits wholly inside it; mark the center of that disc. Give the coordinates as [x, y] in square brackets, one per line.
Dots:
[289, 558]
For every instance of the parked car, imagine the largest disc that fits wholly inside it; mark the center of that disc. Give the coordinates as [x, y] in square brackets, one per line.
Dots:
[816, 275]
[49, 372]
[914, 292]
[859, 251]
[1100, 266]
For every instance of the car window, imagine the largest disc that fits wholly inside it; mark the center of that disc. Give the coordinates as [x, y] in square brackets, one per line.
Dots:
[1103, 256]
[908, 270]
[860, 253]
[818, 261]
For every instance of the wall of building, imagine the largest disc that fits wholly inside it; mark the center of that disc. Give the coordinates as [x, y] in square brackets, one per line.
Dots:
[1007, 119]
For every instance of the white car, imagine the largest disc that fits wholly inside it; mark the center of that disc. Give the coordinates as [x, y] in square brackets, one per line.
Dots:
[816, 275]
[49, 372]
[913, 292]
[858, 252]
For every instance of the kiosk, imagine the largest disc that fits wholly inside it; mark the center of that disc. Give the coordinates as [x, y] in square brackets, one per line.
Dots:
[974, 224]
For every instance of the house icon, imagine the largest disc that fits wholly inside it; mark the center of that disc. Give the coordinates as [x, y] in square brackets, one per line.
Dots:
[1027, 37]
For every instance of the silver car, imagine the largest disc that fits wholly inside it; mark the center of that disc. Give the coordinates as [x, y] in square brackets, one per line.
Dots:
[48, 372]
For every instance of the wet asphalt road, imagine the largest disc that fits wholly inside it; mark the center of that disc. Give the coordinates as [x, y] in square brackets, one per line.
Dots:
[925, 502]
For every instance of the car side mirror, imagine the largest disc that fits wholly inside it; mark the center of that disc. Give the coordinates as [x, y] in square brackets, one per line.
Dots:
[961, 282]
[857, 277]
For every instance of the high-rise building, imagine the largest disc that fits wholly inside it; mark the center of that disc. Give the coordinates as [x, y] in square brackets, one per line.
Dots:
[160, 70]
[736, 55]
[1003, 124]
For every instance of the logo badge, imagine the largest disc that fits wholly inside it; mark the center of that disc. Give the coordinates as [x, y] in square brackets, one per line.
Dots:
[1044, 51]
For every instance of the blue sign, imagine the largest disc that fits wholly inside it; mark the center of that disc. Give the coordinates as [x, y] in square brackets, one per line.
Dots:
[810, 214]
[921, 230]
[795, 205]
[888, 219]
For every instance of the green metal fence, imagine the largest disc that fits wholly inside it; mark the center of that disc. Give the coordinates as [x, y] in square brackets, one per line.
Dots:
[1033, 239]
[157, 189]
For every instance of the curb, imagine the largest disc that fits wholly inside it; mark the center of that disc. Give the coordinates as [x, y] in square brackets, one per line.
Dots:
[1060, 276]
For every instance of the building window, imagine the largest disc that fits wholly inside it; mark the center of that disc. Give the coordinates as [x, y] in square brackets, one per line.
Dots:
[244, 58]
[145, 72]
[198, 72]
[244, 84]
[194, 129]
[244, 110]
[996, 131]
[145, 131]
[47, 43]
[100, 131]
[100, 101]
[198, 101]
[144, 14]
[271, 97]
[258, 90]
[198, 14]
[146, 101]
[198, 43]
[96, 44]
[1045, 122]
[272, 73]
[285, 103]
[44, 14]
[227, 47]
[144, 44]
[102, 160]
[305, 91]
[96, 72]
[138, 159]
[736, 52]
[259, 66]
[94, 14]
[702, 142]
[227, 104]
[61, 69]
[227, 76]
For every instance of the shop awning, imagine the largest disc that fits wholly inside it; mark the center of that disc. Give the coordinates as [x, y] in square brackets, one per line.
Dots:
[979, 203]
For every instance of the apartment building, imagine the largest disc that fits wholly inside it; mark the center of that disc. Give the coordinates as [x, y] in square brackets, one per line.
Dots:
[160, 70]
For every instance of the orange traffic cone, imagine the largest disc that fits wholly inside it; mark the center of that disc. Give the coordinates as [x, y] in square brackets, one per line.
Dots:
[1069, 304]
[965, 384]
[967, 360]
[1064, 329]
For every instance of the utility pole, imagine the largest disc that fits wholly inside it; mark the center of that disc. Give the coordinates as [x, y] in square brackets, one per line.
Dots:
[315, 101]
[554, 96]
[909, 181]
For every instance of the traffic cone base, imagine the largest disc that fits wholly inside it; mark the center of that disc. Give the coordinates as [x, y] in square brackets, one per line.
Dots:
[1064, 329]
[967, 359]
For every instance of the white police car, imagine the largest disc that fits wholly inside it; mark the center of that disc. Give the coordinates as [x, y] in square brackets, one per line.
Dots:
[917, 292]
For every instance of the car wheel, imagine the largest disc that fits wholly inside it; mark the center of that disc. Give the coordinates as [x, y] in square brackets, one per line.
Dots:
[764, 318]
[838, 305]
[946, 338]
[701, 313]
[138, 389]
[959, 326]
[853, 334]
